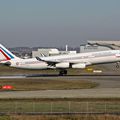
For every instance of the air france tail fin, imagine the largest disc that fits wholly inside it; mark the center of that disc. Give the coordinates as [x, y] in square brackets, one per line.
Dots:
[5, 54]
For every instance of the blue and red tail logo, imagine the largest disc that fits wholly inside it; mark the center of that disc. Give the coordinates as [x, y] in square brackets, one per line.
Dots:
[6, 54]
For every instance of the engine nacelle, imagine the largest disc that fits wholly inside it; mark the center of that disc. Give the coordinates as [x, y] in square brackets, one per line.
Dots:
[79, 65]
[62, 65]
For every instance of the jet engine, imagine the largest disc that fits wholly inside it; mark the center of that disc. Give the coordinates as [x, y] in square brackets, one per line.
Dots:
[79, 65]
[62, 65]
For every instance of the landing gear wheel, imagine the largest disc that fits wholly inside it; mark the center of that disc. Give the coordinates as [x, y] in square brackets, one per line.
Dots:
[63, 72]
[117, 65]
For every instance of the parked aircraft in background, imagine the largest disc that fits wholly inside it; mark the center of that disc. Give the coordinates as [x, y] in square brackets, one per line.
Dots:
[61, 62]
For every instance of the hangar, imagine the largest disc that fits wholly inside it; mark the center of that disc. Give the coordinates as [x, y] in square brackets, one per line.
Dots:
[100, 45]
[51, 52]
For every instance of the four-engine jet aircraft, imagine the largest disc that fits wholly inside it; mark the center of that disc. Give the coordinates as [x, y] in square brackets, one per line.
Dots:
[61, 62]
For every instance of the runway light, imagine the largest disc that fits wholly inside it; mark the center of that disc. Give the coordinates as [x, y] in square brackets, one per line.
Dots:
[7, 87]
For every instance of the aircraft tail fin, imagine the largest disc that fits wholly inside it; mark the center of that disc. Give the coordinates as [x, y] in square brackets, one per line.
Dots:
[5, 54]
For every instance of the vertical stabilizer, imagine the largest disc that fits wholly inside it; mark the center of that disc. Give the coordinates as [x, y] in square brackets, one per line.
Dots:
[5, 54]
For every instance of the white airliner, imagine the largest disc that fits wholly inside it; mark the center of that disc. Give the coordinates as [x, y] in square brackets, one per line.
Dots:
[61, 62]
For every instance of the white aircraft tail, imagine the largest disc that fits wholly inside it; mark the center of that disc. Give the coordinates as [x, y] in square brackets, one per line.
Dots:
[5, 54]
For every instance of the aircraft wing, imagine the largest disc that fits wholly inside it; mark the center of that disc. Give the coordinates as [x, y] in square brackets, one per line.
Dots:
[50, 63]
[63, 63]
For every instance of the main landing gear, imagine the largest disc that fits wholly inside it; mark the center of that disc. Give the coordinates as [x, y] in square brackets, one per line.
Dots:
[117, 65]
[63, 72]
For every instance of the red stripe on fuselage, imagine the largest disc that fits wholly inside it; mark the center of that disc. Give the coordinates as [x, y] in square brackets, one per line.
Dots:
[4, 55]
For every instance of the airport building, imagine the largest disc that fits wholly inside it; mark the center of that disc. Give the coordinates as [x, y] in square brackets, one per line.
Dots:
[45, 52]
[99, 45]
[115, 44]
[92, 48]
[50, 52]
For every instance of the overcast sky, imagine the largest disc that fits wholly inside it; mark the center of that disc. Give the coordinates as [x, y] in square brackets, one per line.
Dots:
[51, 23]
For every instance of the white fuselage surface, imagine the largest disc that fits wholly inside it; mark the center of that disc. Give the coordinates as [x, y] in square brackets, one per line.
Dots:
[79, 60]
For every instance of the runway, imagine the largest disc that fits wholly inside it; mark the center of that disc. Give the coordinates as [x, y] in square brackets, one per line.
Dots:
[109, 87]
[104, 80]
[83, 93]
[12, 76]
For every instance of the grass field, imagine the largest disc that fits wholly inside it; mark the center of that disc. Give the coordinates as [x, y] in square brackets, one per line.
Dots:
[51, 106]
[62, 117]
[44, 84]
